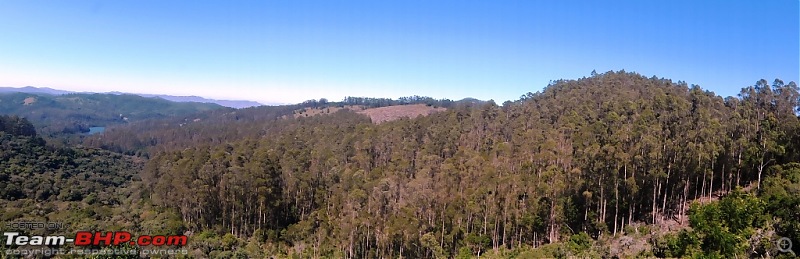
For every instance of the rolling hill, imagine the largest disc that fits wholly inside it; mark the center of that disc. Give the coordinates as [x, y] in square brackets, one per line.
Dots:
[50, 91]
[76, 113]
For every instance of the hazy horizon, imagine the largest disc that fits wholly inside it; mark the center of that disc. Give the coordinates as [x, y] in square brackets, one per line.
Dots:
[288, 52]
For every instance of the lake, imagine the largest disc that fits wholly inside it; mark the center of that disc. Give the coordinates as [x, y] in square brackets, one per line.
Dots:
[95, 130]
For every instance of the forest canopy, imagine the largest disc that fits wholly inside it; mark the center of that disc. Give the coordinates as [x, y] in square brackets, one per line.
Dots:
[616, 164]
[588, 156]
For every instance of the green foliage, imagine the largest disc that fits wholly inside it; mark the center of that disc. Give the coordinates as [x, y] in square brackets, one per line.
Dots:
[545, 251]
[31, 170]
[477, 243]
[683, 244]
[464, 253]
[382, 102]
[715, 238]
[781, 192]
[579, 243]
[719, 229]
[428, 241]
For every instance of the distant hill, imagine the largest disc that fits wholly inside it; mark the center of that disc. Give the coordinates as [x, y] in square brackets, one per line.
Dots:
[470, 100]
[33, 90]
[238, 104]
[227, 103]
[76, 113]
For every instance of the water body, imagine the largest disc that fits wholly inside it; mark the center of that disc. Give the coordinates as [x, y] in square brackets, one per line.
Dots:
[95, 130]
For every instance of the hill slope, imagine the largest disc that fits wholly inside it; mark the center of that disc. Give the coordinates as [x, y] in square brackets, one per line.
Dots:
[75, 113]
[238, 104]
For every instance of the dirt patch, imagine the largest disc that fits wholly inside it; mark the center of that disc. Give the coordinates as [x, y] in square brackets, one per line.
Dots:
[309, 112]
[29, 101]
[378, 115]
[390, 113]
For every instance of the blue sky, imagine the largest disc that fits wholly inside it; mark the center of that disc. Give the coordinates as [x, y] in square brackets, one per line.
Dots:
[291, 51]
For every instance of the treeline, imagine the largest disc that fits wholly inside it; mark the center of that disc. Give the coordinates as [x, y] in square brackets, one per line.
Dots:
[16, 126]
[587, 156]
[383, 102]
[369, 102]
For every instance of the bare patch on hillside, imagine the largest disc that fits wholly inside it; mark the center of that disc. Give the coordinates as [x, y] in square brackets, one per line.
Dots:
[390, 113]
[29, 101]
[377, 115]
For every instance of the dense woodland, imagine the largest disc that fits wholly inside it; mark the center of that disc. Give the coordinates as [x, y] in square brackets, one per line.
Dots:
[32, 170]
[568, 171]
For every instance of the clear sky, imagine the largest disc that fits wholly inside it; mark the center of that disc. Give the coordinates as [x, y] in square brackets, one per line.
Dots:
[290, 51]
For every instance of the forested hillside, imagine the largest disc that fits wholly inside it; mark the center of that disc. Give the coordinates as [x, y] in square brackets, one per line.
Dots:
[81, 189]
[565, 171]
[62, 115]
[32, 170]
[224, 125]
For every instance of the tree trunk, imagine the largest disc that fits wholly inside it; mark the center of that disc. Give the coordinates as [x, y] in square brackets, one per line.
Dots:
[553, 235]
[666, 191]
[683, 203]
[711, 182]
[738, 168]
[656, 187]
[616, 204]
